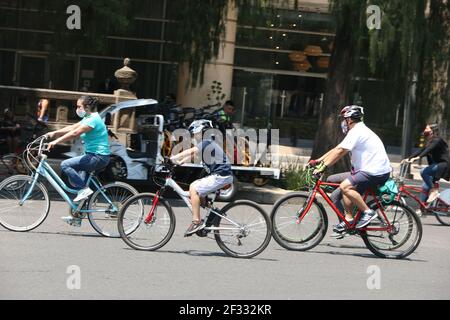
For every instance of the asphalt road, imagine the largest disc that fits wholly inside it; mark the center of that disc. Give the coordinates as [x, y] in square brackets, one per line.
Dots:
[39, 265]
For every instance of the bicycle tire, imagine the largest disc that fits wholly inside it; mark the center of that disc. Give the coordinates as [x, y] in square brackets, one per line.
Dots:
[373, 205]
[302, 244]
[220, 235]
[95, 221]
[438, 214]
[126, 237]
[379, 252]
[23, 182]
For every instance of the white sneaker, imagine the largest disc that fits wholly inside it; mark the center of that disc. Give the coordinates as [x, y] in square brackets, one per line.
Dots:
[419, 212]
[83, 194]
[433, 196]
[75, 222]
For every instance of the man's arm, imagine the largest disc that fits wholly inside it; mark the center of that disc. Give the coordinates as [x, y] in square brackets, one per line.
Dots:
[335, 155]
[331, 158]
[322, 158]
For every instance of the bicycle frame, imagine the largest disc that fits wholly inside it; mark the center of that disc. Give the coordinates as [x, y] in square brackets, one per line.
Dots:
[318, 189]
[45, 170]
[184, 195]
[409, 191]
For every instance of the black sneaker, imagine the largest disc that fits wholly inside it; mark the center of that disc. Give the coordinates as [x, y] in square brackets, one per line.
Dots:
[366, 219]
[193, 228]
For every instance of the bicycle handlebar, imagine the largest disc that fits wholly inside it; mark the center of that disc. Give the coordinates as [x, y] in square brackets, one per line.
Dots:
[41, 148]
[403, 170]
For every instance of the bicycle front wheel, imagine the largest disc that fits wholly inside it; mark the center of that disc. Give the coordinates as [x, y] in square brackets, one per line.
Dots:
[398, 241]
[26, 216]
[292, 234]
[244, 231]
[149, 220]
[105, 205]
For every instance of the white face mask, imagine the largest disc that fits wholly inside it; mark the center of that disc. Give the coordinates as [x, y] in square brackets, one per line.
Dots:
[344, 127]
[81, 113]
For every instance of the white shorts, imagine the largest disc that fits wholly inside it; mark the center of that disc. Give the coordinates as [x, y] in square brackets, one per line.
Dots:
[211, 184]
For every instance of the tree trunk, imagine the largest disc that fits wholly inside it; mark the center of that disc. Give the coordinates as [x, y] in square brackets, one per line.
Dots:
[329, 133]
[439, 93]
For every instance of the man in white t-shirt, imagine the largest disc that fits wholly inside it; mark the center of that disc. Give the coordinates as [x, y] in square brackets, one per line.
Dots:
[370, 165]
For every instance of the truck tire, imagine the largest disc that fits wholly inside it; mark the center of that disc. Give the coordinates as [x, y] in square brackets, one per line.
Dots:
[115, 171]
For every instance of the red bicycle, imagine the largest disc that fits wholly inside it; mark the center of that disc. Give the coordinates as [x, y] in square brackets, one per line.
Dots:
[410, 195]
[300, 221]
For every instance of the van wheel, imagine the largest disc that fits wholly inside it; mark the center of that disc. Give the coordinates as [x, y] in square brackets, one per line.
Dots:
[260, 182]
[116, 170]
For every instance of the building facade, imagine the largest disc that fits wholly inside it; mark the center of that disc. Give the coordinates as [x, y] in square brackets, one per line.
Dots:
[274, 70]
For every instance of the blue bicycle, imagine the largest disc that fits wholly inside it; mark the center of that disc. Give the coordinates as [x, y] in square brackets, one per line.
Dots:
[25, 201]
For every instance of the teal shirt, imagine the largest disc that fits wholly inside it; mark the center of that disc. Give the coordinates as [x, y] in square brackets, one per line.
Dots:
[96, 140]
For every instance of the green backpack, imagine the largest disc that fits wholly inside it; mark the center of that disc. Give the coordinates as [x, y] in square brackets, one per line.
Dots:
[388, 191]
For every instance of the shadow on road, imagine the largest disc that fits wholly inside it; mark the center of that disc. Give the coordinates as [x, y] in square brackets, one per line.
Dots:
[62, 233]
[197, 253]
[361, 255]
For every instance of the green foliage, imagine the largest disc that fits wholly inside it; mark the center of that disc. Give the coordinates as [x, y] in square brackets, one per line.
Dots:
[202, 26]
[99, 19]
[216, 94]
[296, 177]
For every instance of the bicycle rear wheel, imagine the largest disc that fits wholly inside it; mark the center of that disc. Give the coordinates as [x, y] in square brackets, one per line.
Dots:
[29, 215]
[398, 242]
[104, 221]
[151, 222]
[441, 211]
[296, 236]
[245, 230]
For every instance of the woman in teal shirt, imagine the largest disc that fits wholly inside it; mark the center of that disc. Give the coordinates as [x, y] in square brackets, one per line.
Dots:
[94, 133]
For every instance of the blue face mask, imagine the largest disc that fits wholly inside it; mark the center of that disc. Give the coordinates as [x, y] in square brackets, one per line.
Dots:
[81, 113]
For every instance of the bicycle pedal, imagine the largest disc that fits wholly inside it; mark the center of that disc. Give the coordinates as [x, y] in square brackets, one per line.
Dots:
[202, 233]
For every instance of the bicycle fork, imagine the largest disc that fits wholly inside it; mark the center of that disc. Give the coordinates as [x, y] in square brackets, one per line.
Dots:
[150, 216]
[35, 178]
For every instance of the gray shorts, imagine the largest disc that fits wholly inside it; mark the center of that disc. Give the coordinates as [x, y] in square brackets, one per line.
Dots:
[363, 181]
[211, 184]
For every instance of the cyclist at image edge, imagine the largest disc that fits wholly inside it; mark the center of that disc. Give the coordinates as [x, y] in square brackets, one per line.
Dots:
[437, 153]
[370, 165]
[216, 164]
[94, 133]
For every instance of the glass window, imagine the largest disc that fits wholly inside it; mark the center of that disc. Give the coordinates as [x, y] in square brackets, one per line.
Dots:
[148, 9]
[7, 60]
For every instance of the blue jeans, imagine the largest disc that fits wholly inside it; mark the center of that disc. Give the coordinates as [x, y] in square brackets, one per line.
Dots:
[76, 168]
[428, 175]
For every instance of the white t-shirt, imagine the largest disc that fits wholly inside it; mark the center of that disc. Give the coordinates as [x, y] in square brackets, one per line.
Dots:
[367, 150]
